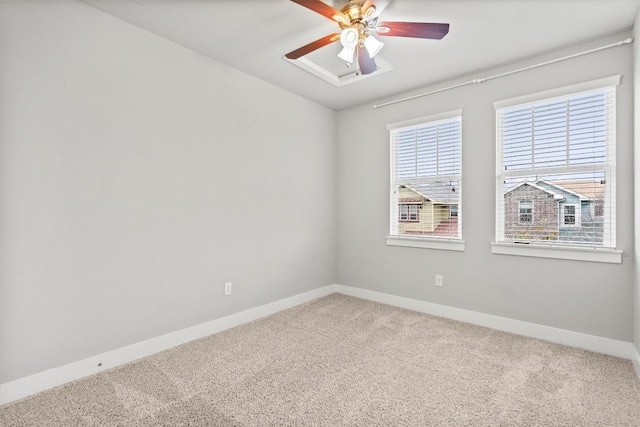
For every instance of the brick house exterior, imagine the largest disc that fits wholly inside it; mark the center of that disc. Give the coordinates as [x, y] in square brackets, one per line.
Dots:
[544, 219]
[544, 210]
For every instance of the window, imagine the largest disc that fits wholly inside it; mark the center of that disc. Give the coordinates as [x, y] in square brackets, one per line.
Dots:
[556, 152]
[426, 179]
[525, 210]
[408, 213]
[570, 216]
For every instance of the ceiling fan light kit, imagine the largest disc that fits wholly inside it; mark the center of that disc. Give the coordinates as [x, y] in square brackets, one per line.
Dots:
[347, 54]
[349, 40]
[355, 19]
[373, 45]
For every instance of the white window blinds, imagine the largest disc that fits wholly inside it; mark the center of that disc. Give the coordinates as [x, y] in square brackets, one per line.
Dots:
[426, 177]
[557, 155]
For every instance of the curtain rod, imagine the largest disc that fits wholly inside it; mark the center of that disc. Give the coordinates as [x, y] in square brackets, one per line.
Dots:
[508, 73]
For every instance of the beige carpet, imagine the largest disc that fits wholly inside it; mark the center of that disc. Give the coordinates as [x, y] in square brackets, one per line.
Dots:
[343, 361]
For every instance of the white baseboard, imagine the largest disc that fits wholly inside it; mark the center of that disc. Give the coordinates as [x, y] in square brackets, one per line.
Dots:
[636, 361]
[41, 381]
[622, 349]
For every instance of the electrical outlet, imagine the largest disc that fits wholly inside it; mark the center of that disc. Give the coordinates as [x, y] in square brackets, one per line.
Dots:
[227, 288]
[439, 280]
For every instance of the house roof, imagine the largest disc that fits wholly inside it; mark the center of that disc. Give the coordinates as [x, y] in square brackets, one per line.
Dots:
[411, 200]
[437, 192]
[588, 189]
[562, 188]
[585, 190]
[535, 185]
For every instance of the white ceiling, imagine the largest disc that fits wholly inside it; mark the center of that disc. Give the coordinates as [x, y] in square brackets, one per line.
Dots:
[254, 35]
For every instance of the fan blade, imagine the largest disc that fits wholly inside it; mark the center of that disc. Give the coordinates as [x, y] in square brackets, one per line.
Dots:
[313, 46]
[366, 63]
[379, 4]
[422, 30]
[323, 9]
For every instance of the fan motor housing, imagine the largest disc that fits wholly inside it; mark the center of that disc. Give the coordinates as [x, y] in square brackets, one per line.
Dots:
[353, 10]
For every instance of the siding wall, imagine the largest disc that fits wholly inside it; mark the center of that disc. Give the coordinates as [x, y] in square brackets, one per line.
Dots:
[425, 214]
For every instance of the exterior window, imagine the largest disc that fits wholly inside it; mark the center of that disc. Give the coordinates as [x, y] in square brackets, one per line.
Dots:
[526, 211]
[598, 210]
[569, 215]
[408, 213]
[556, 153]
[426, 177]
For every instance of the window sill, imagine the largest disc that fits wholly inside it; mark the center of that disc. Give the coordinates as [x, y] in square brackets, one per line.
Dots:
[426, 243]
[612, 256]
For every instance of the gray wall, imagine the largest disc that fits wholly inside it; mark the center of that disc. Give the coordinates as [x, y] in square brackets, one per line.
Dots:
[636, 180]
[592, 298]
[136, 177]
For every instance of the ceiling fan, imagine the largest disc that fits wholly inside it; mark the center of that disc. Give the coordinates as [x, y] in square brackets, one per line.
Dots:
[358, 18]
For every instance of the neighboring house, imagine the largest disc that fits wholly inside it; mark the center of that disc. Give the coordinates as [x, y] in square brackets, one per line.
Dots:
[542, 210]
[428, 209]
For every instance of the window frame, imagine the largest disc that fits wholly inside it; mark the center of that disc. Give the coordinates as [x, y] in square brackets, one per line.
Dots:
[608, 252]
[417, 241]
